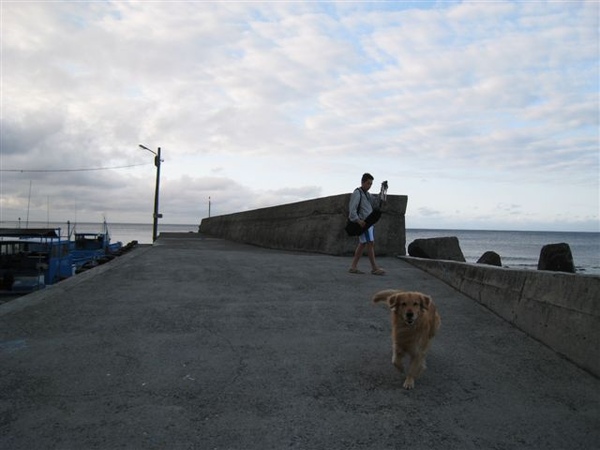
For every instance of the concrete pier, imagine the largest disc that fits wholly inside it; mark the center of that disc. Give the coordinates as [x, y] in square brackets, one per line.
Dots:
[203, 343]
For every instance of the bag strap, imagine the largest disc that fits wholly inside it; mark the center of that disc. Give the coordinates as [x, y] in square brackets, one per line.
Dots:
[359, 200]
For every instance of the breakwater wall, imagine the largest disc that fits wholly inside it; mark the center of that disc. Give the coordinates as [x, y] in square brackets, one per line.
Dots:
[562, 310]
[312, 225]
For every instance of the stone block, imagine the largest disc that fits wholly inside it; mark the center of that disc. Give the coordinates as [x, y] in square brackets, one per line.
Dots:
[446, 248]
[491, 259]
[556, 258]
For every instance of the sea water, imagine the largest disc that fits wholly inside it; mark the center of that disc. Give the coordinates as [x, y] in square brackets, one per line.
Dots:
[517, 249]
[520, 249]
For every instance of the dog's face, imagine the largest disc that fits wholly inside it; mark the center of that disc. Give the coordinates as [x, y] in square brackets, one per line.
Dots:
[409, 305]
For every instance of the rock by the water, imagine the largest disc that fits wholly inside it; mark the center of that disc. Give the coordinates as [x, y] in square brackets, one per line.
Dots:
[556, 258]
[490, 258]
[446, 248]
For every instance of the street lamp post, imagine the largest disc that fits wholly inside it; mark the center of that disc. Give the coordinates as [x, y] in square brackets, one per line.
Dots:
[156, 215]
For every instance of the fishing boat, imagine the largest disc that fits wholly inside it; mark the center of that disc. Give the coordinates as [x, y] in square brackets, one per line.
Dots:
[32, 258]
[90, 249]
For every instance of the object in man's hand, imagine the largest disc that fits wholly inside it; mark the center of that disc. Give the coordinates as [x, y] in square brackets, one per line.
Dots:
[383, 192]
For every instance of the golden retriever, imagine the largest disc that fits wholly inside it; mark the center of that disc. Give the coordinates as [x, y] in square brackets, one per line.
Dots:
[415, 321]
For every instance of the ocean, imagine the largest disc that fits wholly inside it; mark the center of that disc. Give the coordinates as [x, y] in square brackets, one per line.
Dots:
[518, 249]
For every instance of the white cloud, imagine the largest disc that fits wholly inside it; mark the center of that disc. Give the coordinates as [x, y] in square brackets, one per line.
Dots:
[255, 104]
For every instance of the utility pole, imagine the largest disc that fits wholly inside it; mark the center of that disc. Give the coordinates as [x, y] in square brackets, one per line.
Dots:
[156, 214]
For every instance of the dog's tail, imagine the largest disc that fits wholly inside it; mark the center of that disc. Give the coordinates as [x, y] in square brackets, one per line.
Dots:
[383, 296]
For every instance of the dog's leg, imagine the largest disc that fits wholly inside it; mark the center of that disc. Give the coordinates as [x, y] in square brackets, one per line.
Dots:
[423, 358]
[416, 367]
[397, 355]
[397, 361]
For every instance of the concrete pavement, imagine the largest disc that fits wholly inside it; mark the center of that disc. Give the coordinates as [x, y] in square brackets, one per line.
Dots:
[198, 343]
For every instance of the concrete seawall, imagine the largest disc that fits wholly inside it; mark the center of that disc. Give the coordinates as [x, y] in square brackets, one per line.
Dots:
[559, 309]
[312, 225]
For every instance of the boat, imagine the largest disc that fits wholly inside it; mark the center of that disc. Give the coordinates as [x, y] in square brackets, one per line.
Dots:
[32, 258]
[91, 249]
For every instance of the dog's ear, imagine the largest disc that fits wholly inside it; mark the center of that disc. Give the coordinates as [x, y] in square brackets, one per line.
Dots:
[425, 301]
[393, 302]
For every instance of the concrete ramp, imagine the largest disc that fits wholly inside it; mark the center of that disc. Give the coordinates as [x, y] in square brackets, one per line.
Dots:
[201, 343]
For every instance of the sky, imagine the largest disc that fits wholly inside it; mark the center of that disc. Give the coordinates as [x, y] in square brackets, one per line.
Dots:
[484, 113]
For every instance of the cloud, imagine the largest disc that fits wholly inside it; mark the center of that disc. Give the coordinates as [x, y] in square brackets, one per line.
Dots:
[428, 212]
[256, 104]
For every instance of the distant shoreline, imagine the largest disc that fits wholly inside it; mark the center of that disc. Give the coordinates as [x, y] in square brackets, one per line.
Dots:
[517, 249]
[54, 224]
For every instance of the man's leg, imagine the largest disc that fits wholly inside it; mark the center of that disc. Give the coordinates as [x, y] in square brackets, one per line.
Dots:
[357, 254]
[371, 254]
[375, 269]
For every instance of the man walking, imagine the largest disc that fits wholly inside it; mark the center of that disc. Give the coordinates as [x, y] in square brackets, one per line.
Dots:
[360, 207]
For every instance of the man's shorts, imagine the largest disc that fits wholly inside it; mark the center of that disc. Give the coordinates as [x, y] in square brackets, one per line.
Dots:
[367, 236]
